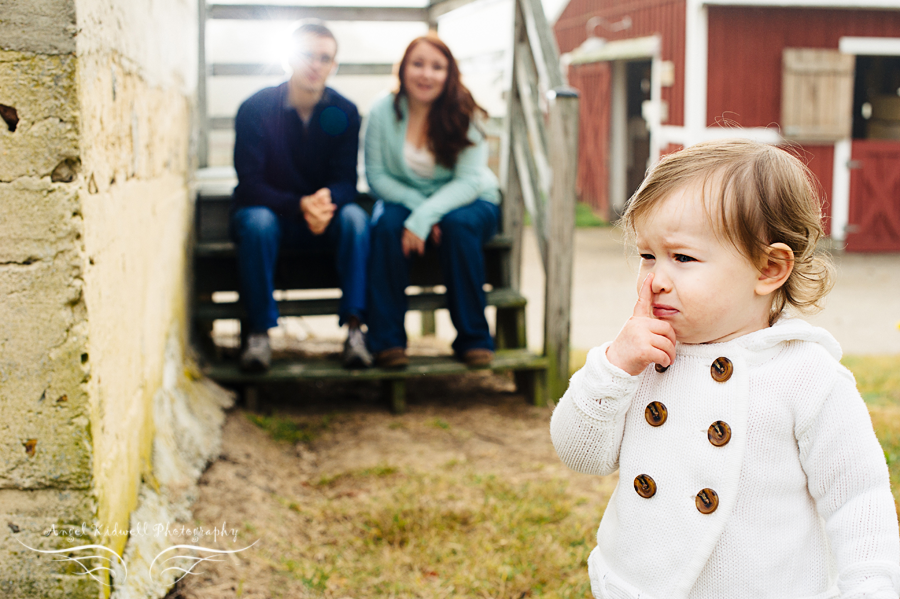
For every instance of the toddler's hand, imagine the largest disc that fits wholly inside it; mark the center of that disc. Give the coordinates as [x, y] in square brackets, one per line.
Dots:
[644, 339]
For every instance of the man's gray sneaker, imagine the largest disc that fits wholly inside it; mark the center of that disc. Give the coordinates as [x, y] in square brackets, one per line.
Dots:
[257, 354]
[355, 353]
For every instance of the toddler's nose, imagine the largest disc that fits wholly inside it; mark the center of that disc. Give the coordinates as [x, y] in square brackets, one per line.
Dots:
[661, 282]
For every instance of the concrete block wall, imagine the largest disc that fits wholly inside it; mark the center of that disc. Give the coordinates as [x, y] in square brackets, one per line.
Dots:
[96, 102]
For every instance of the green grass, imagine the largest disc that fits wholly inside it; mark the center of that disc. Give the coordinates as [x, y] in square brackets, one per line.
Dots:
[584, 217]
[285, 429]
[877, 377]
[878, 380]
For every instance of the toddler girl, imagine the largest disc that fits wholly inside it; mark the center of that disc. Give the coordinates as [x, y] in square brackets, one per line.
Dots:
[748, 467]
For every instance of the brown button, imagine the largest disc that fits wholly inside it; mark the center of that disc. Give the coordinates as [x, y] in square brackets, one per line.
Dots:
[719, 433]
[707, 501]
[721, 370]
[645, 486]
[656, 414]
[660, 368]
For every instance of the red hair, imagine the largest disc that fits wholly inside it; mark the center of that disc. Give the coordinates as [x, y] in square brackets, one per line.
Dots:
[452, 111]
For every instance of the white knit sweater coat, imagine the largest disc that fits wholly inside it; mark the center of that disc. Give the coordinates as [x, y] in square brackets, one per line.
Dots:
[805, 508]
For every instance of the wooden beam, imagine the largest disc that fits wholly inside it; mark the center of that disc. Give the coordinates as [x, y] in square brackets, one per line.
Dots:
[530, 191]
[202, 116]
[221, 69]
[513, 206]
[561, 229]
[534, 116]
[442, 7]
[543, 44]
[275, 12]
[220, 123]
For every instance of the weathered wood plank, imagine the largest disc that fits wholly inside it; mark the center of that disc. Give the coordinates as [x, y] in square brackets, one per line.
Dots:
[530, 97]
[543, 44]
[817, 94]
[230, 372]
[202, 107]
[426, 302]
[442, 7]
[242, 69]
[561, 229]
[277, 12]
[513, 207]
[395, 393]
[526, 171]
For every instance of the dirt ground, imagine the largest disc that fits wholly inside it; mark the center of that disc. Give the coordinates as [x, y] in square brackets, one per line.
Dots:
[478, 421]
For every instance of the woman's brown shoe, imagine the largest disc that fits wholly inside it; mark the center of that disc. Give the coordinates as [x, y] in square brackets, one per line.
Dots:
[394, 357]
[478, 358]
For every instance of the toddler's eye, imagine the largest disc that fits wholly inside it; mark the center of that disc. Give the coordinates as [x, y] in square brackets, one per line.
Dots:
[647, 257]
[683, 258]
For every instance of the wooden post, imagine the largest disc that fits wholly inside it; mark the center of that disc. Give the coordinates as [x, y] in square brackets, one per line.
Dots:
[429, 321]
[513, 207]
[202, 117]
[395, 394]
[563, 157]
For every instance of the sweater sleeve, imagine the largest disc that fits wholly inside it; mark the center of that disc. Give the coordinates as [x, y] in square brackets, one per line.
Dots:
[587, 425]
[848, 479]
[381, 181]
[250, 148]
[464, 188]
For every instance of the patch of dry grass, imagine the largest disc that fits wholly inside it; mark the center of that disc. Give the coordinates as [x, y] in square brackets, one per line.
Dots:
[878, 380]
[449, 532]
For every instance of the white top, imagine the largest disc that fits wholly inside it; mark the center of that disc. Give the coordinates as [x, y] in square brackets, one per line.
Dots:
[419, 160]
[805, 507]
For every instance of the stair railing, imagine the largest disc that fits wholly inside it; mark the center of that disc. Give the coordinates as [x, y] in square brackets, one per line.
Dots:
[538, 163]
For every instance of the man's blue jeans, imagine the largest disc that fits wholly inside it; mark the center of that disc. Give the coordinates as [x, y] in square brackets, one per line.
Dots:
[260, 233]
[464, 232]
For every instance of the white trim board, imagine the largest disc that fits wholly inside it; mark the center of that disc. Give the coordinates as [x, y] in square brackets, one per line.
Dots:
[851, 4]
[870, 46]
[595, 49]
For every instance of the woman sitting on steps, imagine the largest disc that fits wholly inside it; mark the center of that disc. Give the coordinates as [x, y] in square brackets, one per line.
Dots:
[426, 161]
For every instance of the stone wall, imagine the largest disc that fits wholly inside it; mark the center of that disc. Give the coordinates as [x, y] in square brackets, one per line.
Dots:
[96, 101]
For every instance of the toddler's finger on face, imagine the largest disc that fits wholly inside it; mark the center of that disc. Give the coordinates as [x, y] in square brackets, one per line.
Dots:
[644, 305]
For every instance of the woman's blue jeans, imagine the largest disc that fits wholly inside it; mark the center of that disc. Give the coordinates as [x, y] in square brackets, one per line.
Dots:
[464, 232]
[260, 233]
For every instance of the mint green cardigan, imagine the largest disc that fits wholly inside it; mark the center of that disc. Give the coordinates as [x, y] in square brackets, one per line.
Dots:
[391, 179]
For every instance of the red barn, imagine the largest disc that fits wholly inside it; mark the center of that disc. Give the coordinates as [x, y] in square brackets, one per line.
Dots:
[656, 75]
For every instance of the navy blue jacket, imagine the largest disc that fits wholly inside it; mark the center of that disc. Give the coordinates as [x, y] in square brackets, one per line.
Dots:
[278, 160]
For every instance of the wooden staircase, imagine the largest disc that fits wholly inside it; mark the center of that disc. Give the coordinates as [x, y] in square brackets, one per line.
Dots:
[527, 147]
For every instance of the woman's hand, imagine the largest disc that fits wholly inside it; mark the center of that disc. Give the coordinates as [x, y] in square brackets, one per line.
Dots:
[411, 243]
[436, 234]
[644, 339]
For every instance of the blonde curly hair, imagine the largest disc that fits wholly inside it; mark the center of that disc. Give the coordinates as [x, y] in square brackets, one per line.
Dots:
[756, 195]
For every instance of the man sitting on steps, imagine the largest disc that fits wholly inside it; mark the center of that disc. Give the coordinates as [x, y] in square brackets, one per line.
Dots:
[295, 154]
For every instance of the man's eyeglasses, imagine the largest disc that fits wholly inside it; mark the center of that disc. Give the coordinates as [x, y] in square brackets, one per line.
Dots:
[312, 58]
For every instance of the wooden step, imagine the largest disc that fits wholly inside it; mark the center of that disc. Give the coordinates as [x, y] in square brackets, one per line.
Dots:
[230, 372]
[226, 249]
[501, 298]
[529, 371]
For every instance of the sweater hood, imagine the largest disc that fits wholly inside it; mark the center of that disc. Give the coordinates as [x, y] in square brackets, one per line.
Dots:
[783, 331]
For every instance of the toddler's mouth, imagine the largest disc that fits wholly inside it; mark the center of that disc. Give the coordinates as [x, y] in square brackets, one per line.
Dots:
[662, 310]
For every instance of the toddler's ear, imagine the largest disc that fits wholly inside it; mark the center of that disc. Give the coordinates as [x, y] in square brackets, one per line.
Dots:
[776, 268]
